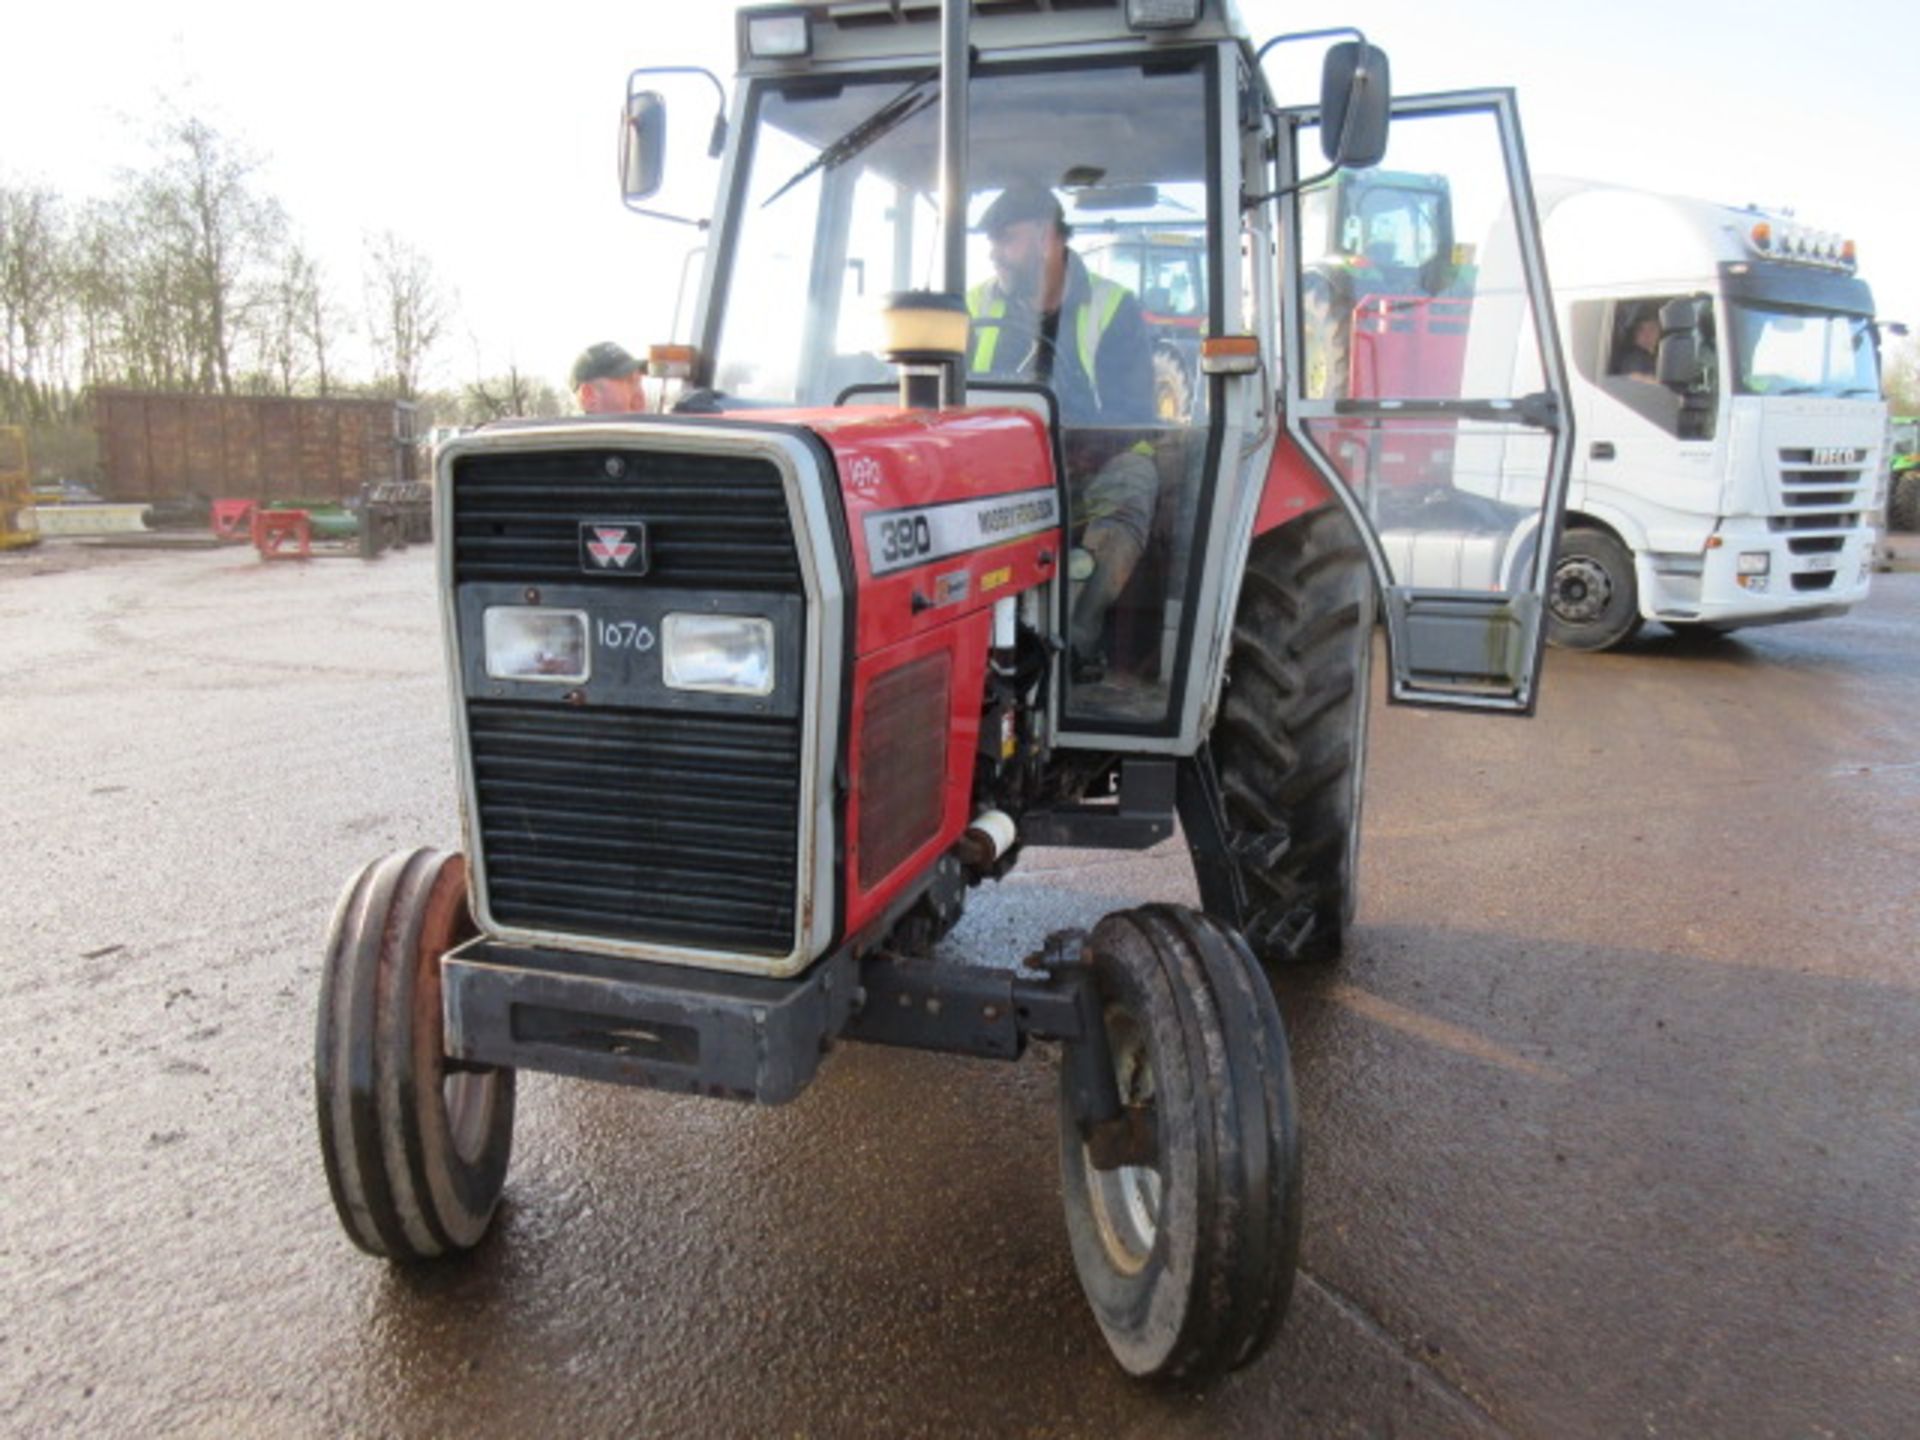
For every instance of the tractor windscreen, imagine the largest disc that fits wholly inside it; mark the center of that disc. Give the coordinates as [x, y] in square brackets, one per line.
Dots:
[1087, 271]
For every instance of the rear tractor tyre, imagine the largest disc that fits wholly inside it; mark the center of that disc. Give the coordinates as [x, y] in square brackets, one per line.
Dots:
[1291, 741]
[1326, 335]
[1903, 501]
[416, 1151]
[1188, 1262]
[1593, 600]
[1172, 387]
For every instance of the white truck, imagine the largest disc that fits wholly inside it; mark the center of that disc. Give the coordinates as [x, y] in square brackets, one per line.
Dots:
[1728, 474]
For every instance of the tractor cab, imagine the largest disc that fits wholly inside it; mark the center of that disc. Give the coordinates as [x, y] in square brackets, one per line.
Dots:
[1151, 145]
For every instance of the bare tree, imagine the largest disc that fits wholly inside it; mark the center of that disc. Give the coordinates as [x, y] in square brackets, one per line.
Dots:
[499, 397]
[406, 310]
[32, 242]
[322, 325]
[282, 322]
[218, 234]
[1900, 380]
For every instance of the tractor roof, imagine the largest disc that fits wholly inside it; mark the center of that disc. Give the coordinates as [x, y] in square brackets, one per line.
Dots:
[857, 32]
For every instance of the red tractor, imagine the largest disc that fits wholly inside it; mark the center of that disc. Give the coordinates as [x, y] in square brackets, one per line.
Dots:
[748, 696]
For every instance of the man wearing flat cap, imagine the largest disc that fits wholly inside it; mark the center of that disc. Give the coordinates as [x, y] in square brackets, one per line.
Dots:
[1044, 316]
[607, 381]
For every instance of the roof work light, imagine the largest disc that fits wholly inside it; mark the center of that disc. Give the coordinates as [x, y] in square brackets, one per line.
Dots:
[775, 35]
[1163, 14]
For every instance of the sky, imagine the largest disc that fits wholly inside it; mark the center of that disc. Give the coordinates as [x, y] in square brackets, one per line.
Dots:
[486, 136]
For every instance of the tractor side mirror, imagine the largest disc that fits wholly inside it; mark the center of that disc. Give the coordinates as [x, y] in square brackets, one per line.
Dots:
[643, 145]
[1355, 94]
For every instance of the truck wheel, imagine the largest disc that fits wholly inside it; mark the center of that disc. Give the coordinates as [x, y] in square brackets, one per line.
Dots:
[1172, 390]
[1594, 602]
[1903, 502]
[1291, 740]
[1188, 1262]
[416, 1152]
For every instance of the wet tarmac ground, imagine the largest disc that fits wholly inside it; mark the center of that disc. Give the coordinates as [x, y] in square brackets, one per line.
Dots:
[1612, 1114]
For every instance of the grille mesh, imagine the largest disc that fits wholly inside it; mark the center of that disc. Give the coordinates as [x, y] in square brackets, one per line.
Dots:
[674, 829]
[712, 520]
[903, 764]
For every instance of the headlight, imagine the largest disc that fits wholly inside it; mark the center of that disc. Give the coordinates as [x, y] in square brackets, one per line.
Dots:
[725, 654]
[528, 643]
[1755, 562]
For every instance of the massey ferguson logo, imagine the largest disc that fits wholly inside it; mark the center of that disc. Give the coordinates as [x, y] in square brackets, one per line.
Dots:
[613, 545]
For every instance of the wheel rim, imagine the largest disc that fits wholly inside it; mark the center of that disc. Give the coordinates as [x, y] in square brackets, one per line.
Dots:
[468, 1097]
[1126, 1201]
[1582, 589]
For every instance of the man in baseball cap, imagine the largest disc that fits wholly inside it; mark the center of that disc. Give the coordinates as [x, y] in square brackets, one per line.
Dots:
[607, 381]
[1044, 316]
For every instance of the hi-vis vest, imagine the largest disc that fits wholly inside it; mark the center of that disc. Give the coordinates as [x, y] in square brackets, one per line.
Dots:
[985, 302]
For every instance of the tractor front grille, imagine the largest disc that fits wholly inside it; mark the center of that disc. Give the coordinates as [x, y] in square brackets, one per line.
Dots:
[616, 818]
[669, 829]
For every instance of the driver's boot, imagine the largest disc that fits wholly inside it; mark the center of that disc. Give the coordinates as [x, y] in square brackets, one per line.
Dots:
[1115, 552]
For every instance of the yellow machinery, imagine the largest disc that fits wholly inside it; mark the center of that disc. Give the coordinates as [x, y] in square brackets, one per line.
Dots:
[17, 523]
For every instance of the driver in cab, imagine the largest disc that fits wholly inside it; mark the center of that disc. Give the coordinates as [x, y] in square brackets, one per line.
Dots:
[1043, 316]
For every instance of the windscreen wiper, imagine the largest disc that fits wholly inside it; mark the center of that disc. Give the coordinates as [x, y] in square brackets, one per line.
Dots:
[897, 111]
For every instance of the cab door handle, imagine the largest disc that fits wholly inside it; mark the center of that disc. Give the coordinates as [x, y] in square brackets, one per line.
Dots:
[1602, 450]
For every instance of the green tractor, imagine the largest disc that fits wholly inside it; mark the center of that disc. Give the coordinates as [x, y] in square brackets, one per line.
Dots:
[1903, 487]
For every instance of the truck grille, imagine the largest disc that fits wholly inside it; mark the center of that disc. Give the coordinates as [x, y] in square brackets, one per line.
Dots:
[671, 829]
[1811, 480]
[716, 521]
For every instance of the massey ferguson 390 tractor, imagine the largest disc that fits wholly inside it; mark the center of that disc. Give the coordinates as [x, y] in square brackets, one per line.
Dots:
[747, 696]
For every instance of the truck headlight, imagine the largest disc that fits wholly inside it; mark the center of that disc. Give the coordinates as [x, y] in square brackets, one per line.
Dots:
[526, 642]
[1755, 562]
[722, 654]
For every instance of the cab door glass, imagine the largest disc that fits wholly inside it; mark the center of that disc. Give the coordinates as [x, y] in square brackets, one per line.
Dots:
[1427, 381]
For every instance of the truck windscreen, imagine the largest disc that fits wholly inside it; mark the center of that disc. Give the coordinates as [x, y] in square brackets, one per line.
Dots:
[1780, 350]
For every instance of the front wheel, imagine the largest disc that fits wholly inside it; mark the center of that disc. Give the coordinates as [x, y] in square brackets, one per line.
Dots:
[1187, 1259]
[416, 1150]
[1593, 602]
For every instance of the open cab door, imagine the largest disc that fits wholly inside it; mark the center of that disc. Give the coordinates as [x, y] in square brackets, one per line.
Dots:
[1424, 381]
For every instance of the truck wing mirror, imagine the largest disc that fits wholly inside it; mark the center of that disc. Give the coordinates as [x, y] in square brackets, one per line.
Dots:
[643, 145]
[1681, 315]
[1355, 94]
[1677, 361]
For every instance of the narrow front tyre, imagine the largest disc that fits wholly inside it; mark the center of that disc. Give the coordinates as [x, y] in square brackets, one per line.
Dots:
[416, 1149]
[1187, 1256]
